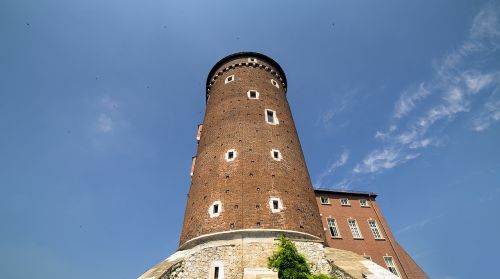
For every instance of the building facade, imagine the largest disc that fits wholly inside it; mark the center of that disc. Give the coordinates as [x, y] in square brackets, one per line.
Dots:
[250, 184]
[353, 221]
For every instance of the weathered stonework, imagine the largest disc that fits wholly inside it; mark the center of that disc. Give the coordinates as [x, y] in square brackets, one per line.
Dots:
[245, 256]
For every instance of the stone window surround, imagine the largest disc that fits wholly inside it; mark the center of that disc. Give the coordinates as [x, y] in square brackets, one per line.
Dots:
[271, 204]
[213, 265]
[275, 117]
[275, 83]
[364, 203]
[345, 202]
[211, 209]
[229, 79]
[324, 200]
[256, 94]
[335, 226]
[280, 157]
[226, 156]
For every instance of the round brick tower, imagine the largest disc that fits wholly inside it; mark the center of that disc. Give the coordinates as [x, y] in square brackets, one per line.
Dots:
[249, 173]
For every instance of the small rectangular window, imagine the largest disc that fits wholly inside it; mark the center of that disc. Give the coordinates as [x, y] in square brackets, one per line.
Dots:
[253, 94]
[353, 225]
[216, 208]
[253, 60]
[230, 155]
[270, 116]
[216, 273]
[332, 224]
[363, 203]
[374, 227]
[344, 201]
[324, 200]
[275, 204]
[229, 79]
[391, 266]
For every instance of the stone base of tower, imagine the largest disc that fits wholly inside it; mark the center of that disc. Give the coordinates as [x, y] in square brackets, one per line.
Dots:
[244, 255]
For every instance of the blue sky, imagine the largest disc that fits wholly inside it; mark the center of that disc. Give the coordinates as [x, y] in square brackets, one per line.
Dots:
[99, 102]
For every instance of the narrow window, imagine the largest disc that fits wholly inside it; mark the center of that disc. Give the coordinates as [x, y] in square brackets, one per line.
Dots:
[324, 200]
[353, 225]
[275, 83]
[276, 154]
[374, 227]
[216, 272]
[271, 117]
[275, 204]
[215, 209]
[363, 203]
[253, 94]
[229, 79]
[344, 201]
[391, 266]
[334, 231]
[193, 163]
[198, 135]
[230, 155]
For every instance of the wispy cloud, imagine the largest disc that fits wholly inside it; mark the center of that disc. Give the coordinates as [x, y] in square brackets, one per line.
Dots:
[341, 161]
[384, 159]
[104, 123]
[489, 115]
[419, 225]
[409, 100]
[453, 86]
[327, 118]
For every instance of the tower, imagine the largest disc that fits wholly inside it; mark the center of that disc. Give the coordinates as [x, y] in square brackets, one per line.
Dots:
[250, 184]
[249, 173]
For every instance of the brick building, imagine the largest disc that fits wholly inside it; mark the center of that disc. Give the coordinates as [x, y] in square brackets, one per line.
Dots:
[250, 184]
[353, 221]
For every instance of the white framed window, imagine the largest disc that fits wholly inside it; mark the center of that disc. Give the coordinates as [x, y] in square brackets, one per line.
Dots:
[353, 225]
[252, 60]
[324, 200]
[275, 83]
[276, 155]
[332, 225]
[215, 209]
[275, 204]
[391, 266]
[345, 202]
[193, 162]
[271, 117]
[363, 203]
[229, 79]
[253, 94]
[198, 134]
[216, 270]
[230, 155]
[375, 230]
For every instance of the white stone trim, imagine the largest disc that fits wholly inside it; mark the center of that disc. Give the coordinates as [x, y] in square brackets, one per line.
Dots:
[275, 117]
[272, 200]
[212, 207]
[226, 156]
[229, 79]
[256, 94]
[238, 234]
[279, 155]
[252, 60]
[275, 83]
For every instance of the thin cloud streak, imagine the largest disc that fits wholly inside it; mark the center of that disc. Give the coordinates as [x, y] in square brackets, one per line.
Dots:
[341, 161]
[455, 83]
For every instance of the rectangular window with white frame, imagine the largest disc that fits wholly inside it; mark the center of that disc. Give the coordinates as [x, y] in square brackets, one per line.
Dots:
[363, 203]
[324, 200]
[334, 230]
[344, 202]
[391, 266]
[375, 230]
[353, 225]
[271, 117]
